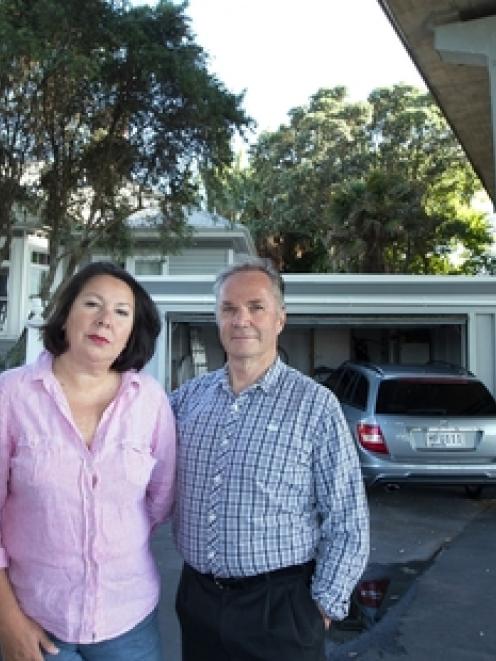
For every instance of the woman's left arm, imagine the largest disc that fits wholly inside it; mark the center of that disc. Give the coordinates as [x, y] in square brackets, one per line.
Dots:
[161, 488]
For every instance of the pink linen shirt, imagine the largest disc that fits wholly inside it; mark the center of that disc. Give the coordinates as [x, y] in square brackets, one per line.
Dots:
[75, 520]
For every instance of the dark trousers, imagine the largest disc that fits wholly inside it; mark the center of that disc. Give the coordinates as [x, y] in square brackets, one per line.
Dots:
[272, 619]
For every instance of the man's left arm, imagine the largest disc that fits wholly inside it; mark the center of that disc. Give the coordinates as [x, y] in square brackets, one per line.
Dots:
[342, 505]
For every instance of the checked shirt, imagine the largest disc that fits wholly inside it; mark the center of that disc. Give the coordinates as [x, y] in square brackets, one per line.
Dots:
[270, 478]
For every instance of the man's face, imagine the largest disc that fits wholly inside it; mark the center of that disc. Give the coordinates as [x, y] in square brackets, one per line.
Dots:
[250, 317]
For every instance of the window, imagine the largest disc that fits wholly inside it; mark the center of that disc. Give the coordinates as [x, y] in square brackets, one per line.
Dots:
[333, 379]
[346, 386]
[435, 396]
[361, 393]
[148, 266]
[4, 276]
[39, 266]
[41, 258]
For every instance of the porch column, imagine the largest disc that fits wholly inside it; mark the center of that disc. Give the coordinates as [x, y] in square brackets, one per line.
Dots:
[34, 344]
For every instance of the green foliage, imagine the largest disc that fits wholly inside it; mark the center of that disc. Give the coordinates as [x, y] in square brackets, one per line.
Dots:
[109, 108]
[376, 224]
[380, 186]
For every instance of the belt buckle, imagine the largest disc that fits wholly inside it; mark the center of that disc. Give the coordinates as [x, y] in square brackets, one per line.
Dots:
[218, 583]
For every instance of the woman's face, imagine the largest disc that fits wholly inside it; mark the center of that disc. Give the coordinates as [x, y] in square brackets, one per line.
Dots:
[100, 320]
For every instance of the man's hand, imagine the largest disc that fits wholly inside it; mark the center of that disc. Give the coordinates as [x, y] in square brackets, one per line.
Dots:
[24, 640]
[326, 618]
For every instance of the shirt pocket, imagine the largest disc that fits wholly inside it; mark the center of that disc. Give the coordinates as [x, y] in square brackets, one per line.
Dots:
[138, 461]
[34, 460]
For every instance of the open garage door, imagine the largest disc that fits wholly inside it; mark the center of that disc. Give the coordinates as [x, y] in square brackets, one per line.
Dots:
[316, 344]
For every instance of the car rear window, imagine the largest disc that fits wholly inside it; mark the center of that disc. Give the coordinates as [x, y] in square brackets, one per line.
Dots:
[434, 396]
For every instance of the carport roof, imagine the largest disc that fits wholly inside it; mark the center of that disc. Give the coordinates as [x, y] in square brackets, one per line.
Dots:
[462, 91]
[351, 294]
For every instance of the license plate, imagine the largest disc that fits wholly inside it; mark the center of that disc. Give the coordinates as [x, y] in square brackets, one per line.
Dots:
[445, 439]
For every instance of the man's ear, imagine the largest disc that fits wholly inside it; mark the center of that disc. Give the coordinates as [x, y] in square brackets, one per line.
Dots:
[282, 320]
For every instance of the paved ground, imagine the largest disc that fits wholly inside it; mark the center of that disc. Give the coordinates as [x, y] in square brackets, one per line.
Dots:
[446, 612]
[169, 564]
[438, 548]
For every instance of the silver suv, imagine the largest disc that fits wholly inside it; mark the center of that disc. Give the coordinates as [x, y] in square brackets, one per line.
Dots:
[426, 424]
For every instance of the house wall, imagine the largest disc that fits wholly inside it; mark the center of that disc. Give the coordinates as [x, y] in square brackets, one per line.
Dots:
[332, 346]
[330, 319]
[214, 245]
[483, 348]
[16, 287]
[22, 274]
[205, 258]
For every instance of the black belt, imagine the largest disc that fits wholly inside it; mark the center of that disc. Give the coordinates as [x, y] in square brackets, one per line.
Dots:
[240, 583]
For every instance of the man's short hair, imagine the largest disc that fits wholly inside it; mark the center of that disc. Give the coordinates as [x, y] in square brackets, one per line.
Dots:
[140, 346]
[247, 263]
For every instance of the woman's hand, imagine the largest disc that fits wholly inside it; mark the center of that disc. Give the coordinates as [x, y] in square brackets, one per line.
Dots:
[21, 638]
[24, 640]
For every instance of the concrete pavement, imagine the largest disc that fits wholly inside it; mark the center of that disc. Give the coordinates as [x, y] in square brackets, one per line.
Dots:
[448, 611]
[448, 614]
[169, 564]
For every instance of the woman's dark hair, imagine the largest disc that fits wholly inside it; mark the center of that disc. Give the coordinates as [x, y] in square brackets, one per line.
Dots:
[141, 344]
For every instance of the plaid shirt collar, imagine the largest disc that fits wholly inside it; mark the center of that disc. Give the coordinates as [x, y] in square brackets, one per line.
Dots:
[267, 382]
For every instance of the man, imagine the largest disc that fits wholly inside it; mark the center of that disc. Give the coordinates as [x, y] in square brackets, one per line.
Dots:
[271, 515]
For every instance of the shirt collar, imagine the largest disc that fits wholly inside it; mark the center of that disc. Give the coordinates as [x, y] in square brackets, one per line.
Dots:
[267, 381]
[41, 370]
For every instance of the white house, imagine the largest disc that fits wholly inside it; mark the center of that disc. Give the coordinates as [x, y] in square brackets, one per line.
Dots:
[20, 277]
[215, 243]
[330, 317]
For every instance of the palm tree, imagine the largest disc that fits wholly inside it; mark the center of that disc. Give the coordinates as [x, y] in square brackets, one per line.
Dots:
[376, 224]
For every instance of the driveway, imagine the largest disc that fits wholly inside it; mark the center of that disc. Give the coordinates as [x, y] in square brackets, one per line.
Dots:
[425, 543]
[433, 575]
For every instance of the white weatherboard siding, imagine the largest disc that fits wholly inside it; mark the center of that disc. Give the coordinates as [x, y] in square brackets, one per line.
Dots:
[198, 261]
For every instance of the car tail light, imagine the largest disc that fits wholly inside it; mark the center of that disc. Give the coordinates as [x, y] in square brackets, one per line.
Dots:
[370, 437]
[372, 593]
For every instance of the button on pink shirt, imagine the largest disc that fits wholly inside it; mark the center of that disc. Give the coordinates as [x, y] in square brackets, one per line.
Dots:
[75, 521]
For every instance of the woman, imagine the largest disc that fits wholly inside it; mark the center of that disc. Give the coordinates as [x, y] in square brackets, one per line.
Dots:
[87, 462]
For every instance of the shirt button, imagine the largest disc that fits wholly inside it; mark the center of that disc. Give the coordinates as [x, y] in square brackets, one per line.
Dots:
[217, 479]
[235, 406]
[211, 555]
[212, 517]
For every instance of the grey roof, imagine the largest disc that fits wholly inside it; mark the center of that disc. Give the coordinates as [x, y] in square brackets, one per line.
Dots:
[150, 217]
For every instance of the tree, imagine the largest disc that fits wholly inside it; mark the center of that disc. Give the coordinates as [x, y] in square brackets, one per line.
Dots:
[111, 107]
[16, 133]
[379, 186]
[379, 225]
[293, 172]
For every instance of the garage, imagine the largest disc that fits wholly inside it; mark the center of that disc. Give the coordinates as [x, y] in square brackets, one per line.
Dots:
[331, 318]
